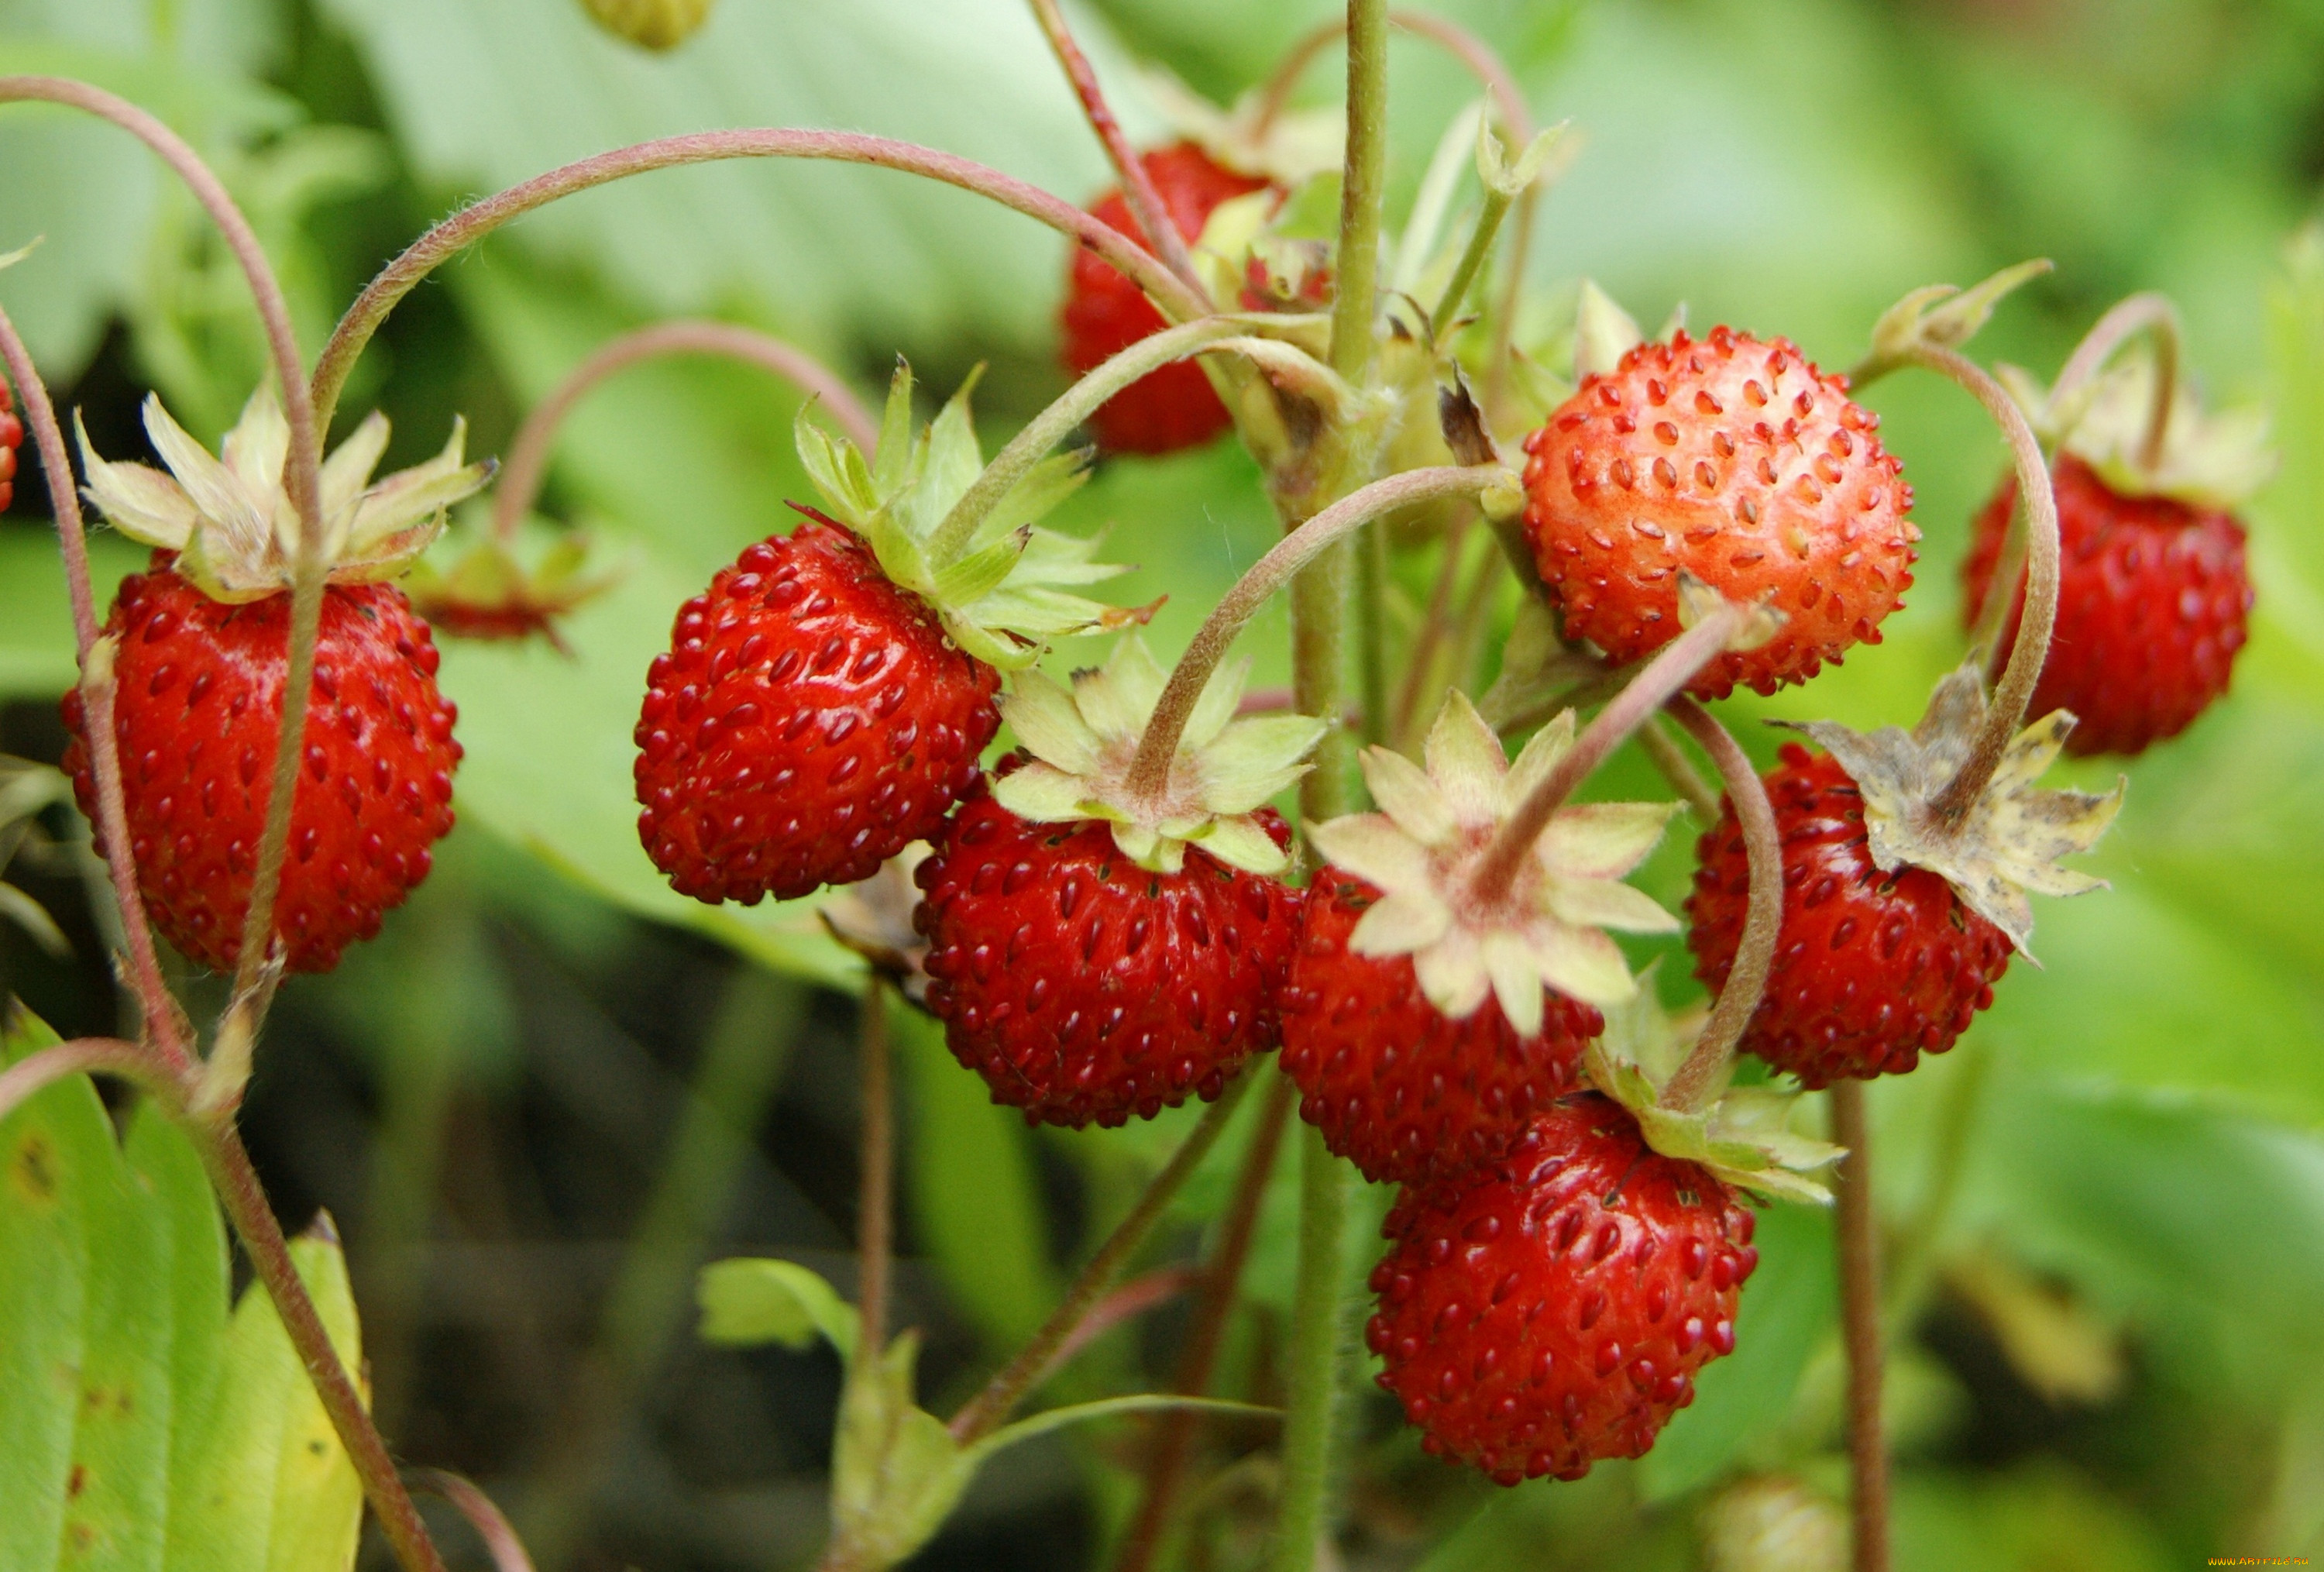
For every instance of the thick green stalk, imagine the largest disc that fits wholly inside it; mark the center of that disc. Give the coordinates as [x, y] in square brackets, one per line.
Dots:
[1358, 258]
[1317, 1314]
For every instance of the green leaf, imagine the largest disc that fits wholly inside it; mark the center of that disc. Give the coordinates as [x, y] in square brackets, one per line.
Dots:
[1785, 1310]
[139, 1425]
[749, 1300]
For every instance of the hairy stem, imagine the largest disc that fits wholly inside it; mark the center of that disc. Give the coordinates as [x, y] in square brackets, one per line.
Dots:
[984, 1413]
[1362, 191]
[2015, 691]
[501, 1541]
[1663, 677]
[237, 1187]
[1755, 953]
[162, 1029]
[1859, 1306]
[1137, 188]
[528, 459]
[473, 223]
[2149, 314]
[99, 1055]
[1671, 762]
[1075, 405]
[1150, 769]
[1472, 259]
[1175, 1433]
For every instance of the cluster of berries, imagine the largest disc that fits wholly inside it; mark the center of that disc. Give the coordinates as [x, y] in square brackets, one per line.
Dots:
[1107, 930]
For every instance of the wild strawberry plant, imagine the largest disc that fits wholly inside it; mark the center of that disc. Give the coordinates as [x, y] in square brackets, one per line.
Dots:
[1400, 879]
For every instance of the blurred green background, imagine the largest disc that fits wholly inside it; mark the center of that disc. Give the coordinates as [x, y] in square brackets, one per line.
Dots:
[552, 1088]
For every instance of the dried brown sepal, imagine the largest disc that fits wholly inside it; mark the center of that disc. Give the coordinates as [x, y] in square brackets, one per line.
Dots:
[874, 918]
[2007, 845]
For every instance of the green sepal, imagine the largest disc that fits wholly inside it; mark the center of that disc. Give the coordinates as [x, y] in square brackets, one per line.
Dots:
[999, 595]
[1742, 1134]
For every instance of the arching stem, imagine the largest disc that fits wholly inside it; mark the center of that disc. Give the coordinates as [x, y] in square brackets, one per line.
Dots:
[1149, 768]
[1859, 1305]
[1746, 978]
[1076, 405]
[528, 459]
[1663, 677]
[97, 1056]
[473, 223]
[1137, 188]
[2011, 697]
[162, 1029]
[2150, 313]
[983, 1413]
[492, 1526]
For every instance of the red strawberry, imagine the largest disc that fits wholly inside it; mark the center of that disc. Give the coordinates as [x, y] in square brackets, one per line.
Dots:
[1735, 459]
[810, 719]
[1105, 313]
[197, 709]
[1083, 987]
[11, 433]
[1871, 969]
[1550, 1309]
[2152, 601]
[1396, 1086]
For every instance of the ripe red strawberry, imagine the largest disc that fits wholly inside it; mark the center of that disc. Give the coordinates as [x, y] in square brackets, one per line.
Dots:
[1396, 1085]
[1871, 969]
[1105, 313]
[11, 433]
[1082, 986]
[1733, 458]
[1544, 1311]
[197, 709]
[810, 719]
[2153, 600]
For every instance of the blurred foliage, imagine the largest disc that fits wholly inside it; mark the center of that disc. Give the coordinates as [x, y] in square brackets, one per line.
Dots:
[2127, 1155]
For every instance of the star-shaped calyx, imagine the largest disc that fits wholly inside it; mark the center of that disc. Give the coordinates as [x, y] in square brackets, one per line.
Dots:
[230, 519]
[1547, 928]
[1002, 593]
[2207, 460]
[2008, 841]
[1085, 740]
[1743, 1134]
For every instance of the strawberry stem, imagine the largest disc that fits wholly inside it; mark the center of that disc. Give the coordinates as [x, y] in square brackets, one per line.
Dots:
[1137, 187]
[1654, 685]
[100, 1056]
[1362, 193]
[984, 1413]
[2150, 313]
[1075, 405]
[491, 1524]
[527, 460]
[1859, 1305]
[473, 223]
[1149, 768]
[165, 1032]
[1747, 980]
[875, 1205]
[1175, 1433]
[2014, 693]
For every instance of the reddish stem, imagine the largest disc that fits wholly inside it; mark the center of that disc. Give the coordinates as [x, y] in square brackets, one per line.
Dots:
[1145, 204]
[1175, 1433]
[162, 1028]
[473, 223]
[527, 460]
[1859, 1304]
[2151, 313]
[492, 1526]
[102, 1055]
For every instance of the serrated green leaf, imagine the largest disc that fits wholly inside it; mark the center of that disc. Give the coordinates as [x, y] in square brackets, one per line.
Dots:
[749, 1300]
